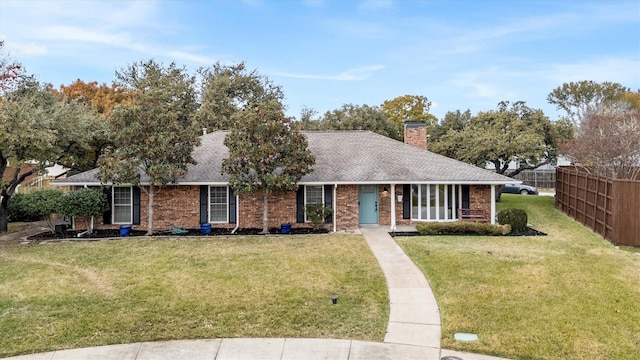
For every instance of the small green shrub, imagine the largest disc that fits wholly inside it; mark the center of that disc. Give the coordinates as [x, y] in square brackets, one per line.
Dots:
[461, 227]
[19, 209]
[317, 214]
[517, 218]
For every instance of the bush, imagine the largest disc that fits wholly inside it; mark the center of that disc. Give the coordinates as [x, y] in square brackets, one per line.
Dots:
[462, 227]
[43, 203]
[517, 218]
[20, 211]
[83, 202]
[316, 214]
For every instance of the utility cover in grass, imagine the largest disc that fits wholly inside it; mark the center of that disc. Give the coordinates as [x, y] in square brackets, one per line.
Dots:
[465, 337]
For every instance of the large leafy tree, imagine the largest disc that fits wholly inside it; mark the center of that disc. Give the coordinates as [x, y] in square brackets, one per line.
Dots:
[155, 135]
[266, 153]
[580, 98]
[101, 99]
[608, 145]
[10, 71]
[355, 117]
[409, 107]
[37, 129]
[516, 133]
[453, 120]
[227, 89]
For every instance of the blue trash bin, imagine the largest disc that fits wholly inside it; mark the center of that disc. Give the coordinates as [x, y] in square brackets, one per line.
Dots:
[125, 230]
[205, 228]
[285, 228]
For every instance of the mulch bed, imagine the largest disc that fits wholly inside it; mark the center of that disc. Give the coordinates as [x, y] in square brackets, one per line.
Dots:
[115, 233]
[528, 232]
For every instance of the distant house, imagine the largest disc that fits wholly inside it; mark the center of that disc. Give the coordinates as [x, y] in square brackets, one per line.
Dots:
[364, 177]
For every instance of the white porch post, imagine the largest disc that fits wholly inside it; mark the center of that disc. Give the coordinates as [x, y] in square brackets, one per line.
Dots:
[393, 207]
[335, 207]
[493, 204]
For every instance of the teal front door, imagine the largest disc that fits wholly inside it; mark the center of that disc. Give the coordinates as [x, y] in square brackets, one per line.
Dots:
[368, 200]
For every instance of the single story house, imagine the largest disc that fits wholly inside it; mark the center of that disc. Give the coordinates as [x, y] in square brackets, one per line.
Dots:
[366, 178]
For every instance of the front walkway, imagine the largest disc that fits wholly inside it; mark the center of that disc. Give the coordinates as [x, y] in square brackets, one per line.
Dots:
[413, 331]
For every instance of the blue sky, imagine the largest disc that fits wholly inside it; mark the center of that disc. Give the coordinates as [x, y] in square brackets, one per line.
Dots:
[460, 54]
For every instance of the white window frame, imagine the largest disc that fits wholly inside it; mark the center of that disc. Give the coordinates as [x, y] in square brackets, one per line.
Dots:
[306, 187]
[448, 202]
[113, 205]
[226, 203]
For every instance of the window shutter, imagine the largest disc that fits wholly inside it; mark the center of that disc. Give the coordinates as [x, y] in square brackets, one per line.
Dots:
[232, 207]
[136, 205]
[106, 216]
[300, 204]
[406, 201]
[466, 203]
[328, 201]
[204, 204]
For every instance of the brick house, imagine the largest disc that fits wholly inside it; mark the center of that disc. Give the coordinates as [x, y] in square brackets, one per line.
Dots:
[366, 178]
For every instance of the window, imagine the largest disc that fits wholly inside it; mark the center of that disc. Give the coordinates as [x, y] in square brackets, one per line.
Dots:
[218, 204]
[433, 202]
[313, 195]
[122, 205]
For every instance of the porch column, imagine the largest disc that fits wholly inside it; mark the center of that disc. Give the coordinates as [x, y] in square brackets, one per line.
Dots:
[335, 207]
[393, 207]
[493, 204]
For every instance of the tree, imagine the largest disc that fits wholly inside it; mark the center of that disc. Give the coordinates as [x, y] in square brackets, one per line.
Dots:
[38, 129]
[608, 145]
[101, 98]
[229, 89]
[155, 135]
[453, 120]
[578, 99]
[83, 202]
[266, 154]
[10, 72]
[519, 134]
[354, 117]
[409, 107]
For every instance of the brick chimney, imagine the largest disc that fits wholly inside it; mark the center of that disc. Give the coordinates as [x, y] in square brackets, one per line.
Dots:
[415, 134]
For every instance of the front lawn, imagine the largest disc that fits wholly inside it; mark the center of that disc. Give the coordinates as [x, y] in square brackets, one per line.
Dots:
[77, 294]
[568, 295]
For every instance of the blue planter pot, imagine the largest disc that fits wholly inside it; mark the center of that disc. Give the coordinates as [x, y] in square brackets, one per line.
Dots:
[205, 228]
[125, 230]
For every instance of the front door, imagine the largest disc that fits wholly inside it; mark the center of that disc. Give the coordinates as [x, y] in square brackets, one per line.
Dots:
[368, 201]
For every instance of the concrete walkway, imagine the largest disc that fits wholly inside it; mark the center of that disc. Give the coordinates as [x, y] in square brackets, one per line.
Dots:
[413, 331]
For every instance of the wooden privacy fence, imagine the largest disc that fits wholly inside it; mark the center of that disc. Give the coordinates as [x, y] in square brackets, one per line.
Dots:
[607, 206]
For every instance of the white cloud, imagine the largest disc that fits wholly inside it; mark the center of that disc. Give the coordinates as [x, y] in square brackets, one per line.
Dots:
[21, 49]
[354, 74]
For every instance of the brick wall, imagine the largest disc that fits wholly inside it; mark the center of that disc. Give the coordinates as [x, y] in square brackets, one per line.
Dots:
[282, 210]
[480, 197]
[415, 134]
[347, 207]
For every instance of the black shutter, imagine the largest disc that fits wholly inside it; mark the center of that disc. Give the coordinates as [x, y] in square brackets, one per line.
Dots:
[406, 201]
[465, 197]
[232, 207]
[300, 204]
[106, 216]
[136, 205]
[204, 204]
[328, 201]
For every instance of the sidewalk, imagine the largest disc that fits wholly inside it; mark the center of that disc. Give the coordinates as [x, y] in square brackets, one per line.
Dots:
[413, 331]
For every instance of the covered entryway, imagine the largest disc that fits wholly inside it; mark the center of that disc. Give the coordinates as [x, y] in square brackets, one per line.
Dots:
[368, 204]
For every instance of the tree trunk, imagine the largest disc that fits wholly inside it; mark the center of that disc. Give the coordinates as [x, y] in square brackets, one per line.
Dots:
[265, 213]
[4, 214]
[150, 212]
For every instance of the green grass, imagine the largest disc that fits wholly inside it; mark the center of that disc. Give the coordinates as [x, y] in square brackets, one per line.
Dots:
[76, 294]
[568, 295]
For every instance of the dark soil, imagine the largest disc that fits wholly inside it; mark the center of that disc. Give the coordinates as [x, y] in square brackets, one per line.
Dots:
[115, 233]
[528, 232]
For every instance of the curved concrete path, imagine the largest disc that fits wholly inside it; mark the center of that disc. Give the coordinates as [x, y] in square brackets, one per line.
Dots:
[413, 331]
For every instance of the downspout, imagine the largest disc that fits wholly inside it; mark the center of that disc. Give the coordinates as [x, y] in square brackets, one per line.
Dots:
[493, 204]
[335, 206]
[393, 207]
[237, 215]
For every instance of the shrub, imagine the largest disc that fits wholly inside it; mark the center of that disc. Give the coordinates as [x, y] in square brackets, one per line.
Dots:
[43, 204]
[84, 202]
[19, 211]
[517, 218]
[316, 214]
[461, 227]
